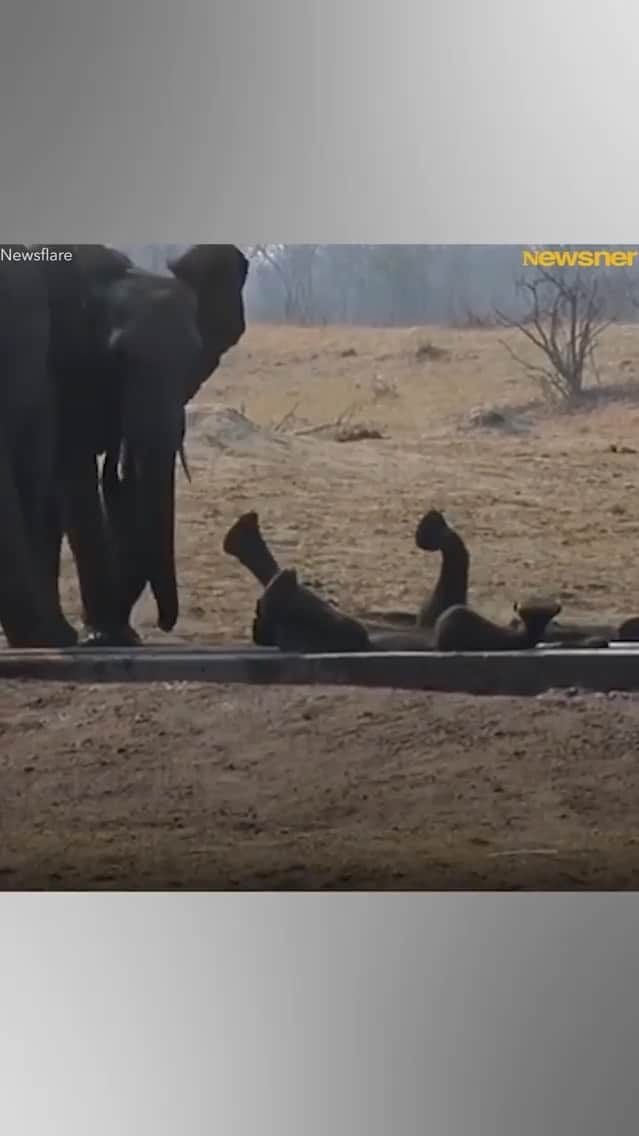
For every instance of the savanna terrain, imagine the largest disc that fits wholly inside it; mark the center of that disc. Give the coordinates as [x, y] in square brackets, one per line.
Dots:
[203, 785]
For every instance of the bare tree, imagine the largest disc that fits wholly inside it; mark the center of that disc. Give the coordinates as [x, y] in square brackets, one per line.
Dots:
[293, 265]
[564, 321]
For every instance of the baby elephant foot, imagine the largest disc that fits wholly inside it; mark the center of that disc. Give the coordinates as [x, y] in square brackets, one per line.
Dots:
[123, 636]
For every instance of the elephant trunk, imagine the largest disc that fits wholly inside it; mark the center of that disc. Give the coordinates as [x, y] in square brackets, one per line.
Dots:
[120, 497]
[156, 519]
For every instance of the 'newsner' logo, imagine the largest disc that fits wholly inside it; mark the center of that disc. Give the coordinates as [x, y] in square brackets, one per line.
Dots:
[578, 258]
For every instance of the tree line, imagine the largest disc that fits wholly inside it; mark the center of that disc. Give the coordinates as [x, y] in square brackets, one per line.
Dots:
[399, 285]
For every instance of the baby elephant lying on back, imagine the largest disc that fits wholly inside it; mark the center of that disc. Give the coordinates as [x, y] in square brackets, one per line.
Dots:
[294, 618]
[289, 615]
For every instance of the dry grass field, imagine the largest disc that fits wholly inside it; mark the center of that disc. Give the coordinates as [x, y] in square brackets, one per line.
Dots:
[243, 787]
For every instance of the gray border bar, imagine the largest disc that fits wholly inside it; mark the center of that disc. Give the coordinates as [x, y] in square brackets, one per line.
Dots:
[346, 120]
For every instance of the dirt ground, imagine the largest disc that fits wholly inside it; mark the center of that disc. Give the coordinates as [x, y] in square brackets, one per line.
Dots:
[205, 786]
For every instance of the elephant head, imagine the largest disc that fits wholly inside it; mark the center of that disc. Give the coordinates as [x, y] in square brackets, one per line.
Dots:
[168, 335]
[153, 344]
[217, 275]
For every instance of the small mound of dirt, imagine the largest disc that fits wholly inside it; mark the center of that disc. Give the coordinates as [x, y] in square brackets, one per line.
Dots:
[429, 351]
[492, 418]
[615, 449]
[357, 433]
[487, 416]
[228, 429]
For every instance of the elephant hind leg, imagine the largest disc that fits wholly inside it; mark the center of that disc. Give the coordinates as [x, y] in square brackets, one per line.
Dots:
[22, 612]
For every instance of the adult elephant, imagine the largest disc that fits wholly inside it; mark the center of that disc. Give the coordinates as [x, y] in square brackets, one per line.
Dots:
[30, 614]
[129, 349]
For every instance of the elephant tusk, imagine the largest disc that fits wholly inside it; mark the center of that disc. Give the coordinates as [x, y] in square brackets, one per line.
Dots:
[184, 463]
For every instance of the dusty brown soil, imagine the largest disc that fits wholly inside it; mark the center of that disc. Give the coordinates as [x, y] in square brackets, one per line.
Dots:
[205, 786]
[208, 786]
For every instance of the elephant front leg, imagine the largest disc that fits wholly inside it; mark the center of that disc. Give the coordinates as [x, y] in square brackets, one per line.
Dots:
[43, 522]
[95, 560]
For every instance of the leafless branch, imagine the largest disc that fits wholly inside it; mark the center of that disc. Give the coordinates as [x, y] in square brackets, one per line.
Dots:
[564, 322]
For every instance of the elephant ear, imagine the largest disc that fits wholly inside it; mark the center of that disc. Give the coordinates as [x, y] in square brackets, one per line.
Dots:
[203, 266]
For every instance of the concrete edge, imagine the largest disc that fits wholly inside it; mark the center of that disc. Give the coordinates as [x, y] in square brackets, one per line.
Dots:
[514, 673]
